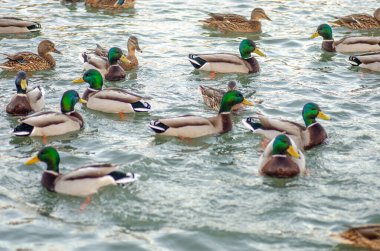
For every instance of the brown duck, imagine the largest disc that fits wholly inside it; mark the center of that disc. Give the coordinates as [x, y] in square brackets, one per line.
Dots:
[359, 21]
[364, 237]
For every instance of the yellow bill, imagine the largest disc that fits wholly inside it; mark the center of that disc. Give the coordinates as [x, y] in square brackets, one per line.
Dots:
[246, 102]
[124, 59]
[78, 81]
[33, 160]
[321, 115]
[293, 152]
[258, 52]
[82, 101]
[24, 84]
[315, 34]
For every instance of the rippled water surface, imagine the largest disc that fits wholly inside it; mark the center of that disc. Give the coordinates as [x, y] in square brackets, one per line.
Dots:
[203, 194]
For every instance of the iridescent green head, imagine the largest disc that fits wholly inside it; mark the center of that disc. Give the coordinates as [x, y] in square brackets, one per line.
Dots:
[310, 112]
[325, 31]
[246, 47]
[69, 99]
[282, 145]
[114, 54]
[50, 156]
[21, 82]
[230, 99]
[92, 77]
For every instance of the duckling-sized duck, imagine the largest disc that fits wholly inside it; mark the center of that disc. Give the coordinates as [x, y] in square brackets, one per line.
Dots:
[282, 159]
[84, 181]
[367, 236]
[110, 100]
[194, 127]
[359, 21]
[28, 61]
[370, 61]
[109, 66]
[305, 137]
[26, 100]
[238, 23]
[227, 62]
[53, 123]
[346, 44]
[111, 4]
[17, 25]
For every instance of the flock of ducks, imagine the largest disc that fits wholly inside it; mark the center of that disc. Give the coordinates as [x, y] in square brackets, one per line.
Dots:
[283, 156]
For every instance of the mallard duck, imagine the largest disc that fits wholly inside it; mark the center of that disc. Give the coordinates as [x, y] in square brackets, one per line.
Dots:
[111, 4]
[234, 22]
[359, 21]
[282, 159]
[28, 61]
[53, 123]
[346, 44]
[110, 100]
[364, 236]
[369, 61]
[227, 62]
[194, 127]
[306, 137]
[17, 25]
[109, 66]
[133, 45]
[27, 99]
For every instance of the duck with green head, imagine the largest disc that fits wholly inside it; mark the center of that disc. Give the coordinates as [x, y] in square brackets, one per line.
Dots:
[227, 62]
[193, 126]
[26, 100]
[346, 44]
[305, 137]
[282, 159]
[110, 100]
[51, 123]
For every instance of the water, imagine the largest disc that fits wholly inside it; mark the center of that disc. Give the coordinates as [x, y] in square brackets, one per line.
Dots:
[204, 194]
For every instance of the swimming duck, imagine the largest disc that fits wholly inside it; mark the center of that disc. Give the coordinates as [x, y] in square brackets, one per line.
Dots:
[369, 61]
[194, 126]
[238, 23]
[367, 236]
[227, 62]
[346, 44]
[111, 4]
[28, 61]
[133, 45]
[27, 99]
[84, 181]
[359, 21]
[53, 123]
[109, 66]
[282, 159]
[17, 25]
[305, 137]
[110, 100]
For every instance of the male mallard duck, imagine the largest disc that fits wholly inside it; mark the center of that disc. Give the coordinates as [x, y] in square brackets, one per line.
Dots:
[359, 21]
[364, 237]
[234, 22]
[53, 123]
[133, 45]
[109, 66]
[346, 44]
[28, 61]
[110, 100]
[369, 61]
[84, 181]
[194, 127]
[111, 4]
[227, 62]
[17, 25]
[27, 99]
[282, 159]
[305, 137]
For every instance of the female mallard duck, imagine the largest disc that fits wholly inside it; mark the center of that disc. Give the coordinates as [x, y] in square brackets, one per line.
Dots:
[17, 25]
[28, 61]
[53, 123]
[84, 181]
[27, 99]
[194, 127]
[111, 4]
[346, 44]
[305, 137]
[133, 45]
[359, 21]
[282, 159]
[364, 237]
[227, 62]
[110, 100]
[238, 23]
[109, 66]
[369, 61]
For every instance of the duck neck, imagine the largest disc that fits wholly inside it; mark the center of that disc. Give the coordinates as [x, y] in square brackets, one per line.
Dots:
[328, 45]
[49, 58]
[131, 50]
[226, 121]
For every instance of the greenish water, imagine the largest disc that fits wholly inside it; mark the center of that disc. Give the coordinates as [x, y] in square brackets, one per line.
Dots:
[204, 194]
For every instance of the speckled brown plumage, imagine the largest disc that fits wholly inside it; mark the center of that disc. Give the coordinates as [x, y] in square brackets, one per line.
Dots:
[359, 21]
[365, 236]
[110, 4]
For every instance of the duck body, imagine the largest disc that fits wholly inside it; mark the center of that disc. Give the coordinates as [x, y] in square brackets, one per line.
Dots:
[367, 236]
[111, 4]
[369, 61]
[17, 25]
[359, 21]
